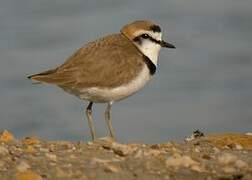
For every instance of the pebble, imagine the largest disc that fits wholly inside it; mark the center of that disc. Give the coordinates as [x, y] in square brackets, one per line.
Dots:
[111, 168]
[6, 136]
[166, 177]
[2, 165]
[72, 156]
[227, 158]
[28, 175]
[23, 166]
[197, 149]
[238, 146]
[97, 160]
[206, 156]
[51, 156]
[60, 173]
[30, 141]
[3, 150]
[143, 145]
[45, 150]
[152, 153]
[90, 143]
[176, 151]
[234, 146]
[30, 149]
[228, 169]
[121, 149]
[241, 164]
[182, 161]
[197, 168]
[216, 150]
[155, 146]
[139, 154]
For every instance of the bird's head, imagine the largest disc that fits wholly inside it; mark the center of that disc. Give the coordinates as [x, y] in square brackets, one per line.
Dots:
[147, 36]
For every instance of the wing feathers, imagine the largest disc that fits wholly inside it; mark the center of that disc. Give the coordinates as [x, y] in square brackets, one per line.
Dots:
[107, 62]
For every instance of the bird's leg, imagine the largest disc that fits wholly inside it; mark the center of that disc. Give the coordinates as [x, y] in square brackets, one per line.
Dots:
[90, 120]
[108, 120]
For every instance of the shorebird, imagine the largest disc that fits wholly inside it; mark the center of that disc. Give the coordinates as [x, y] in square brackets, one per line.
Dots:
[111, 68]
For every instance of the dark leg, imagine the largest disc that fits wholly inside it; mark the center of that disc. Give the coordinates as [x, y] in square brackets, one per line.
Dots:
[90, 120]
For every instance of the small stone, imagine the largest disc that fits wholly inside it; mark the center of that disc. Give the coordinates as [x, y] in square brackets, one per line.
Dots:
[44, 150]
[166, 177]
[111, 168]
[234, 146]
[23, 166]
[90, 143]
[238, 146]
[206, 156]
[6, 136]
[28, 175]
[30, 149]
[176, 152]
[51, 156]
[30, 141]
[197, 149]
[183, 161]
[216, 150]
[67, 165]
[2, 165]
[155, 146]
[72, 156]
[227, 159]
[3, 150]
[249, 133]
[106, 139]
[117, 159]
[228, 169]
[197, 168]
[241, 164]
[121, 149]
[52, 164]
[152, 153]
[60, 173]
[139, 154]
[99, 161]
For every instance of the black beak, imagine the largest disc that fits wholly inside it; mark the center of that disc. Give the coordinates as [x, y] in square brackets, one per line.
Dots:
[166, 45]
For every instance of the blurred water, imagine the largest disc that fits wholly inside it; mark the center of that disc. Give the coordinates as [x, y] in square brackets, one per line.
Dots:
[205, 83]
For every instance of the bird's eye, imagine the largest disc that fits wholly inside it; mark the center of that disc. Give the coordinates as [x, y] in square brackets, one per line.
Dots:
[145, 36]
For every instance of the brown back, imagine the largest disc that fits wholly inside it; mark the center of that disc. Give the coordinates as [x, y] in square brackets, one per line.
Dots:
[107, 62]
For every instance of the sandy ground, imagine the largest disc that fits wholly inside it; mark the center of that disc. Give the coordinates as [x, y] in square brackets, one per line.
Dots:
[217, 156]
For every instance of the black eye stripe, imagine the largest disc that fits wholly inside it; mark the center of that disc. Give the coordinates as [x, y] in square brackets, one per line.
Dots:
[152, 39]
[137, 39]
[145, 36]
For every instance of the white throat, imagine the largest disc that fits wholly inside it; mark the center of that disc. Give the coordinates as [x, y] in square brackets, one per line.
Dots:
[149, 48]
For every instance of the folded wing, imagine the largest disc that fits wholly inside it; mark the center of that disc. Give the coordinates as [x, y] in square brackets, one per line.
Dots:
[107, 62]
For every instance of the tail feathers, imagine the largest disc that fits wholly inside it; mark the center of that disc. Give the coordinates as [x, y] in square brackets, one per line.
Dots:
[44, 77]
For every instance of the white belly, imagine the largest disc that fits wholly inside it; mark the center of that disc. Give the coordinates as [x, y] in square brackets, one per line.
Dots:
[96, 94]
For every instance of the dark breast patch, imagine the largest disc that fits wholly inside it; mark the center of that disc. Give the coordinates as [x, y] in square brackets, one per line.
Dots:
[150, 65]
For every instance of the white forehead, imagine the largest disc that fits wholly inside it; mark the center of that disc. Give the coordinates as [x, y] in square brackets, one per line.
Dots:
[155, 35]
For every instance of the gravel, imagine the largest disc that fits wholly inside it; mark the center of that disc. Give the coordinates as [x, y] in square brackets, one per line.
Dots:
[216, 156]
